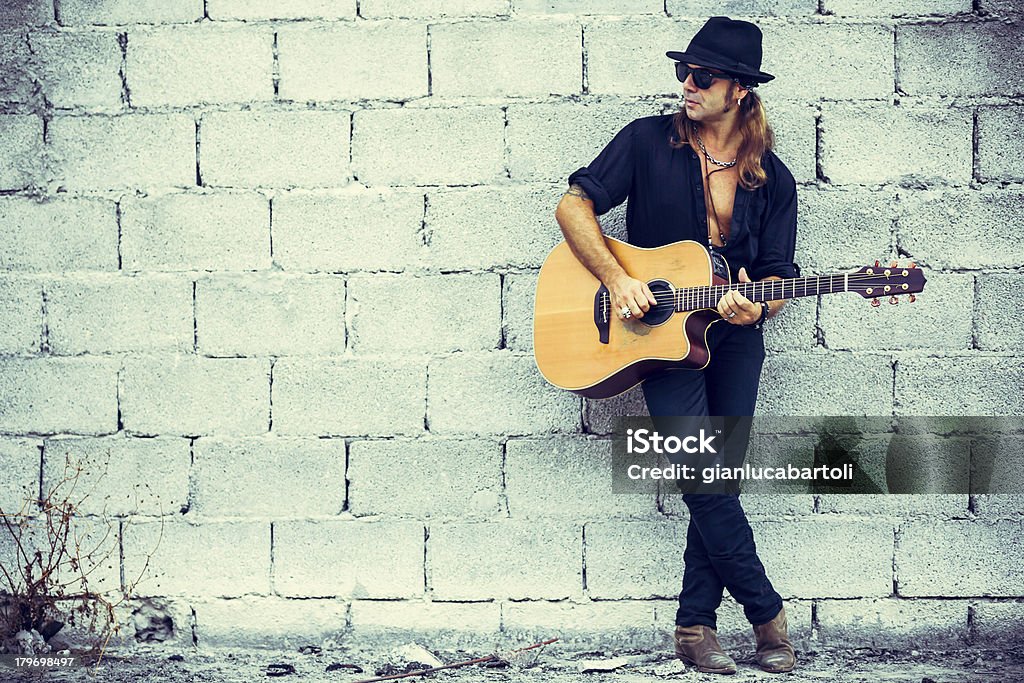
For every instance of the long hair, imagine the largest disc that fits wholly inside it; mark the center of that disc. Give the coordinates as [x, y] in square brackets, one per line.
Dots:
[756, 138]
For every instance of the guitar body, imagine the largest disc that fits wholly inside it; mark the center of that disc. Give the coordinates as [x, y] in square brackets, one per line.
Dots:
[581, 346]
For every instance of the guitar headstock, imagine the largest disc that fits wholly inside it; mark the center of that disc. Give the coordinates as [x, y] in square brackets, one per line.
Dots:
[893, 280]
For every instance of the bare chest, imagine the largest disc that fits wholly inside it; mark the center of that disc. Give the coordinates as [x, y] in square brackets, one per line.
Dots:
[719, 197]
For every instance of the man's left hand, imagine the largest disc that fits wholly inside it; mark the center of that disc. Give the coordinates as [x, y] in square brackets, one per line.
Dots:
[746, 311]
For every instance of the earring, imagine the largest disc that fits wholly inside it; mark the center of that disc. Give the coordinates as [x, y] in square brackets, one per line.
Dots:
[737, 103]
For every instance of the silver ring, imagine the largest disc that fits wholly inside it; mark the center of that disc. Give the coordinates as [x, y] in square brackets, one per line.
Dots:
[625, 312]
[732, 314]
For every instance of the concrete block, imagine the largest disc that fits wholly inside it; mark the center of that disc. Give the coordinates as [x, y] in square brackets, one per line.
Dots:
[997, 293]
[795, 327]
[937, 505]
[743, 8]
[508, 559]
[268, 477]
[426, 478]
[527, 7]
[922, 145]
[17, 69]
[600, 416]
[795, 132]
[57, 234]
[471, 58]
[116, 12]
[844, 229]
[959, 58]
[496, 393]
[310, 59]
[517, 301]
[893, 8]
[1000, 7]
[277, 314]
[849, 322]
[998, 464]
[356, 552]
[129, 151]
[933, 232]
[819, 384]
[838, 558]
[274, 149]
[348, 397]
[999, 145]
[178, 66]
[955, 558]
[459, 146]
[267, 622]
[78, 69]
[582, 626]
[19, 474]
[893, 624]
[120, 475]
[193, 396]
[984, 385]
[547, 142]
[20, 150]
[432, 314]
[270, 9]
[442, 624]
[47, 395]
[521, 226]
[26, 13]
[998, 623]
[114, 313]
[21, 299]
[191, 231]
[332, 231]
[627, 56]
[568, 477]
[850, 61]
[212, 559]
[634, 559]
[376, 9]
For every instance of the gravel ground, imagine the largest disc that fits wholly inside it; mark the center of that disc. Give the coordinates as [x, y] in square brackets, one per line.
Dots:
[236, 665]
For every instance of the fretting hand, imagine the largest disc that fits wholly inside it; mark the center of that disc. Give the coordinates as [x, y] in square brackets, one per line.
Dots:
[738, 309]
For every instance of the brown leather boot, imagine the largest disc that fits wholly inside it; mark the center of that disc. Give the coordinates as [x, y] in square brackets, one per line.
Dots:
[774, 651]
[698, 645]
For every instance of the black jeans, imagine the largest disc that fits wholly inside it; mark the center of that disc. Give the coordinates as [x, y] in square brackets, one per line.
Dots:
[720, 550]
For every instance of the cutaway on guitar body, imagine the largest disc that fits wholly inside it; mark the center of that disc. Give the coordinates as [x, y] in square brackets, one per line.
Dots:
[582, 344]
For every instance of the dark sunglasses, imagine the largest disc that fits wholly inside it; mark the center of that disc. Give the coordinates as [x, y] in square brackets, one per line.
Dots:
[702, 78]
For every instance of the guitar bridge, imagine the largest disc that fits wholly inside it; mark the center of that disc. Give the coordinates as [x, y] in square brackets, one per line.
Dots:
[602, 313]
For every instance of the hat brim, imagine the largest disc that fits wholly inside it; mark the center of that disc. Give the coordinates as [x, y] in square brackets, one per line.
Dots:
[705, 60]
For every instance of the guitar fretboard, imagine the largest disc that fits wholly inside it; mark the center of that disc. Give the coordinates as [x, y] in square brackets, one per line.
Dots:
[695, 298]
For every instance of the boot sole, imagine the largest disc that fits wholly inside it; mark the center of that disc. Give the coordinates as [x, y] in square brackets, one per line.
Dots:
[705, 669]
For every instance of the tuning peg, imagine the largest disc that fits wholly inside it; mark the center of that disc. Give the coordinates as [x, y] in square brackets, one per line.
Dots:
[876, 263]
[913, 265]
[894, 299]
[912, 298]
[894, 264]
[875, 302]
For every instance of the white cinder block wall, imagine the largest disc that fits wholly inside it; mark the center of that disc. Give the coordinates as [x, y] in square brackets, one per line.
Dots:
[267, 267]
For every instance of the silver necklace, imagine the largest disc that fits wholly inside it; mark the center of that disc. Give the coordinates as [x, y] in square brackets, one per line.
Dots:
[700, 143]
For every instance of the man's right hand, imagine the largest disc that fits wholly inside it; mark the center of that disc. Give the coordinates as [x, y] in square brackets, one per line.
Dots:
[627, 291]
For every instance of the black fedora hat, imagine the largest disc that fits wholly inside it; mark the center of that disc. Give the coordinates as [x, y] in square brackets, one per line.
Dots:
[730, 45]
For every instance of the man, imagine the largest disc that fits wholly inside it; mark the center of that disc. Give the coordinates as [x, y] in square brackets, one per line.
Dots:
[706, 173]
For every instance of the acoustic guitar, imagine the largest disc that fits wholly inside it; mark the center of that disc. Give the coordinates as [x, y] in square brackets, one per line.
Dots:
[581, 344]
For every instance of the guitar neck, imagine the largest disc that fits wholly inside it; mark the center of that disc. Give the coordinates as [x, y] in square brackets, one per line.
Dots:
[695, 298]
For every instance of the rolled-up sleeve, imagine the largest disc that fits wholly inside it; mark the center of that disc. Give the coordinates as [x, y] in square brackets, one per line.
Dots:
[777, 243]
[608, 178]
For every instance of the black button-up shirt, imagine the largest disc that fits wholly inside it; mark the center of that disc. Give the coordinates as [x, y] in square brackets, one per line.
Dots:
[666, 199]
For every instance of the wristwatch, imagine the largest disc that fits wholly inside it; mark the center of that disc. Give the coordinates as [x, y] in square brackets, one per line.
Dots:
[764, 316]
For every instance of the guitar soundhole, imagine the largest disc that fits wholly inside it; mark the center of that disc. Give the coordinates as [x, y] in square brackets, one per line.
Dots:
[665, 295]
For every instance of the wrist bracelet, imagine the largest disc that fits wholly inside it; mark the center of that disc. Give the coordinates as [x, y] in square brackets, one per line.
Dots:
[764, 316]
